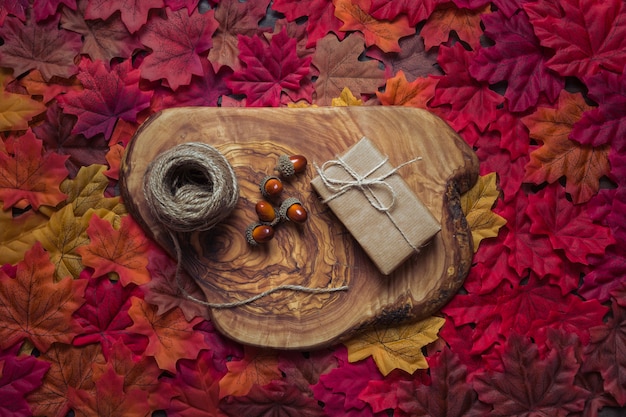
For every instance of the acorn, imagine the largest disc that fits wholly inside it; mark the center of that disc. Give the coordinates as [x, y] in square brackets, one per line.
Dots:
[265, 211]
[271, 187]
[258, 233]
[288, 166]
[292, 209]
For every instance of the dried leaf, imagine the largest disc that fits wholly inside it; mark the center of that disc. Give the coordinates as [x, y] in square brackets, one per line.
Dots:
[340, 67]
[476, 205]
[396, 347]
[35, 307]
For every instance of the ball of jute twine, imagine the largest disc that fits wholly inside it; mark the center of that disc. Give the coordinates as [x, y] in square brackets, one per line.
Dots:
[192, 187]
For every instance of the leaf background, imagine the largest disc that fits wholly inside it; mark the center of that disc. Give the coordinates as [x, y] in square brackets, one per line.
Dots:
[537, 88]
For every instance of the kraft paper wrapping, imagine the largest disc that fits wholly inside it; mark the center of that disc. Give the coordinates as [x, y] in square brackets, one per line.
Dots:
[375, 204]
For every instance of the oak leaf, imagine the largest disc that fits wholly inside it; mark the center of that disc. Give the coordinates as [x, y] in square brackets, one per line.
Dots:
[235, 18]
[396, 347]
[400, 92]
[17, 110]
[176, 42]
[339, 67]
[586, 36]
[30, 177]
[257, 367]
[41, 46]
[35, 307]
[518, 59]
[476, 205]
[108, 95]
[531, 385]
[170, 336]
[270, 69]
[384, 34]
[581, 165]
[448, 17]
[19, 375]
[134, 13]
[103, 39]
[345, 99]
[449, 394]
[276, 399]
[122, 250]
[70, 367]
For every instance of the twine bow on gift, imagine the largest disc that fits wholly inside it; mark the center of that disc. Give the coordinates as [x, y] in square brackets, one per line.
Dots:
[364, 183]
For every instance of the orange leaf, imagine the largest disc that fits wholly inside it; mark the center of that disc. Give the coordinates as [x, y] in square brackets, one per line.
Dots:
[581, 165]
[122, 251]
[34, 307]
[258, 367]
[400, 92]
[27, 177]
[70, 367]
[16, 110]
[446, 18]
[381, 33]
[114, 158]
[37, 86]
[171, 336]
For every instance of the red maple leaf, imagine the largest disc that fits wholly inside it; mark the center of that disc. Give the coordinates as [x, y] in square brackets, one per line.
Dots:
[56, 134]
[108, 95]
[270, 69]
[121, 250]
[45, 8]
[19, 375]
[340, 388]
[196, 387]
[383, 395]
[104, 316]
[276, 399]
[390, 9]
[29, 178]
[320, 16]
[606, 123]
[530, 385]
[518, 59]
[235, 18]
[134, 13]
[41, 46]
[204, 90]
[607, 353]
[568, 226]
[514, 135]
[35, 307]
[176, 42]
[102, 39]
[586, 36]
[15, 8]
[303, 370]
[462, 99]
[170, 336]
[448, 394]
[179, 4]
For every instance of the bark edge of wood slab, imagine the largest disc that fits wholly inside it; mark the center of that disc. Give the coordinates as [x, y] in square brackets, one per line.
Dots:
[319, 253]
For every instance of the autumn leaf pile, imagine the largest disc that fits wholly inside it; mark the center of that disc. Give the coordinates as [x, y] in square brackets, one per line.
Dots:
[91, 319]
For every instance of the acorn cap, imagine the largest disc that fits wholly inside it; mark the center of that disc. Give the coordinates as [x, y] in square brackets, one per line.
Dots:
[249, 231]
[285, 166]
[262, 184]
[288, 202]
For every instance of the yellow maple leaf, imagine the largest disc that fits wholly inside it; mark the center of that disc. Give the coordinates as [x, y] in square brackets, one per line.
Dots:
[477, 204]
[396, 347]
[346, 98]
[16, 110]
[16, 234]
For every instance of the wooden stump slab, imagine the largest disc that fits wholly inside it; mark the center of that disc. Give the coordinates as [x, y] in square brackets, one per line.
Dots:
[319, 253]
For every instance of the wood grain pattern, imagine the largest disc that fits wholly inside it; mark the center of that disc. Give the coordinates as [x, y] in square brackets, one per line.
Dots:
[319, 253]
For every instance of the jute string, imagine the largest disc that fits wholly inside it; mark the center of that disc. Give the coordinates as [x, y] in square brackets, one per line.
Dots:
[366, 183]
[192, 187]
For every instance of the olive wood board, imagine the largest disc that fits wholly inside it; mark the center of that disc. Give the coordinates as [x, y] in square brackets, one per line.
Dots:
[320, 252]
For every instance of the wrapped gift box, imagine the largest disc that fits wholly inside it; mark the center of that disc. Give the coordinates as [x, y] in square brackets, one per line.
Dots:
[368, 195]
